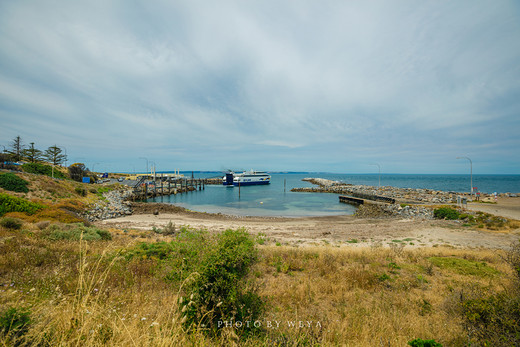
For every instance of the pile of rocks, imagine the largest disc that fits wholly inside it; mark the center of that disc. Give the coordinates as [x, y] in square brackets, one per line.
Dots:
[115, 205]
[410, 211]
[407, 195]
[394, 210]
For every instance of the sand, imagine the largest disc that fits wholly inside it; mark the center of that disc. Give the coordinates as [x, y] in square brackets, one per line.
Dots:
[342, 231]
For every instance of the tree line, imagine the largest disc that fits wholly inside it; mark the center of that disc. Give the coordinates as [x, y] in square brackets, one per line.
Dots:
[17, 151]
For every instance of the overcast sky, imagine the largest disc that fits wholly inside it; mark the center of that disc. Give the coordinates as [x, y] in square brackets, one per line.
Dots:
[272, 85]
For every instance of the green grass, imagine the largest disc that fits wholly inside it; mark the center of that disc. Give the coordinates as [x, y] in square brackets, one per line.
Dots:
[10, 203]
[464, 266]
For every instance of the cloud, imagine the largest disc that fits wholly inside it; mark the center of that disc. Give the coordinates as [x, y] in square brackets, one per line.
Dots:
[229, 80]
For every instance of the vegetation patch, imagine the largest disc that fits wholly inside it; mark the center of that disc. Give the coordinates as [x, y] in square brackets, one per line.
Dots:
[446, 212]
[14, 323]
[10, 181]
[464, 266]
[11, 223]
[212, 270]
[43, 169]
[75, 232]
[10, 203]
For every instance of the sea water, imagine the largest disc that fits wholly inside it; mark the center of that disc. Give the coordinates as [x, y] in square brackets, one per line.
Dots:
[276, 199]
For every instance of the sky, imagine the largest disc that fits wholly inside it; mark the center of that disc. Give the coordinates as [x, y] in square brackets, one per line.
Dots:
[330, 86]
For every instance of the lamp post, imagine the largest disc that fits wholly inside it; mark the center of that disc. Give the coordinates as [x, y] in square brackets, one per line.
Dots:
[379, 166]
[93, 166]
[471, 176]
[146, 164]
[154, 168]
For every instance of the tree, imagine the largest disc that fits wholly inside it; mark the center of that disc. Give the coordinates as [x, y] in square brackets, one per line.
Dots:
[54, 155]
[77, 171]
[32, 154]
[16, 148]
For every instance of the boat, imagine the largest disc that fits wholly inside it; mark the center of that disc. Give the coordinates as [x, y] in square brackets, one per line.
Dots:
[227, 180]
[249, 178]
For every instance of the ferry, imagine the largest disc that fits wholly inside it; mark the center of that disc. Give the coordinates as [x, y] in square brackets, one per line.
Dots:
[247, 178]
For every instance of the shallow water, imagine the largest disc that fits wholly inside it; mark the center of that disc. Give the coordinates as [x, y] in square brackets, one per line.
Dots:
[276, 199]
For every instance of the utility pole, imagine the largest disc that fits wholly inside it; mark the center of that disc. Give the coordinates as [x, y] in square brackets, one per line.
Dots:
[379, 166]
[471, 176]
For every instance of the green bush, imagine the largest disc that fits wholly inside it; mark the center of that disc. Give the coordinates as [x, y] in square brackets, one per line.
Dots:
[42, 169]
[10, 181]
[80, 191]
[219, 292]
[14, 323]
[494, 319]
[424, 343]
[10, 203]
[11, 223]
[75, 232]
[446, 213]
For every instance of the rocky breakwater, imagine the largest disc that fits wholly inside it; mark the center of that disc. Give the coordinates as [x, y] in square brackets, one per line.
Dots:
[401, 195]
[113, 205]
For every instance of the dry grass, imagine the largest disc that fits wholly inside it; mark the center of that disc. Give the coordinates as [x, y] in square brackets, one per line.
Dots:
[85, 294]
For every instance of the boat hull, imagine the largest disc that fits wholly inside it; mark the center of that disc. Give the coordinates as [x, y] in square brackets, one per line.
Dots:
[251, 183]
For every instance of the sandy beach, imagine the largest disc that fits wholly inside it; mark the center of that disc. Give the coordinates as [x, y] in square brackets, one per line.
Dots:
[340, 231]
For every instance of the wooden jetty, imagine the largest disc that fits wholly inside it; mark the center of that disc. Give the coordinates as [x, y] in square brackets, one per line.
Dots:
[148, 187]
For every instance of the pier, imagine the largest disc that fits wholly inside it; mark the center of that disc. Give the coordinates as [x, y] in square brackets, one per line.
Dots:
[149, 187]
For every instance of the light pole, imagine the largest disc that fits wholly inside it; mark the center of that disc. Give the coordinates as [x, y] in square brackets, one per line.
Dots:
[154, 168]
[379, 166]
[146, 164]
[471, 176]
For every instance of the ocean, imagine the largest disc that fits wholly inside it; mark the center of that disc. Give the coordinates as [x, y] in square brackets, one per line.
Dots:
[277, 200]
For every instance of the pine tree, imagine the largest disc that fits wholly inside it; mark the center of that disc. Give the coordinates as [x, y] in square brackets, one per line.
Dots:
[54, 155]
[17, 148]
[32, 154]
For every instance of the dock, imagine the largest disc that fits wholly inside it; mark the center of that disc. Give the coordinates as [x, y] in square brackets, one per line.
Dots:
[361, 199]
[149, 187]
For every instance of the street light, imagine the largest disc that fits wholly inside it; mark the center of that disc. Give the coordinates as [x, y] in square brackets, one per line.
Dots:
[379, 166]
[471, 176]
[154, 168]
[146, 164]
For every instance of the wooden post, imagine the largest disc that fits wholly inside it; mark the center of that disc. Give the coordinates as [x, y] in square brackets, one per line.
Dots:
[284, 183]
[239, 189]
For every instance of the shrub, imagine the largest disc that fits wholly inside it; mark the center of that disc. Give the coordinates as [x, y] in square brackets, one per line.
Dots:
[446, 213]
[218, 293]
[11, 223]
[494, 319]
[424, 343]
[10, 203]
[80, 191]
[42, 169]
[14, 323]
[75, 232]
[10, 181]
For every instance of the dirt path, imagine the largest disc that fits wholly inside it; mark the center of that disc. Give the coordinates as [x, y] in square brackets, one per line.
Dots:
[336, 230]
[505, 207]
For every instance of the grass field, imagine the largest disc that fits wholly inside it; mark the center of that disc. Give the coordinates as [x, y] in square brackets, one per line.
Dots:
[92, 293]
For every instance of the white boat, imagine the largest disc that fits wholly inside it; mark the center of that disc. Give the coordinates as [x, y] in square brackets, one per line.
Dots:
[249, 178]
